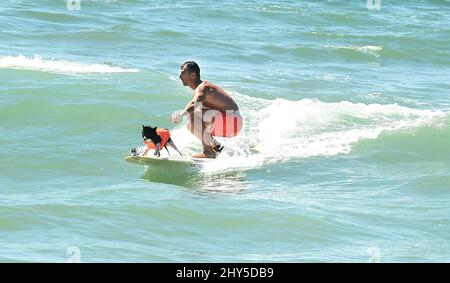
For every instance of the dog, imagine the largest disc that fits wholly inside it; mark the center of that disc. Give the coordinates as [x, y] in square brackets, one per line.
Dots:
[157, 138]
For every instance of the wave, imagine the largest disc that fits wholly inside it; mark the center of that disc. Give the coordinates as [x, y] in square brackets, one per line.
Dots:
[36, 63]
[280, 130]
[273, 8]
[369, 49]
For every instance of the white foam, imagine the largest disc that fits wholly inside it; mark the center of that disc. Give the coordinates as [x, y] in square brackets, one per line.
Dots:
[368, 49]
[57, 66]
[279, 130]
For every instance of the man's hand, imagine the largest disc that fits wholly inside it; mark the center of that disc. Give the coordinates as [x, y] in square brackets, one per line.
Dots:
[176, 118]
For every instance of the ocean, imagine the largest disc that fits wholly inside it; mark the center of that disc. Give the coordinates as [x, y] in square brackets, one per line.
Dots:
[344, 155]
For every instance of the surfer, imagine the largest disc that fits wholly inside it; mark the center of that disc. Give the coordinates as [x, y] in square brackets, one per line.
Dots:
[211, 112]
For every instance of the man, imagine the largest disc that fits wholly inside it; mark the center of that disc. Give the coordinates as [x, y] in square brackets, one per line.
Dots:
[212, 111]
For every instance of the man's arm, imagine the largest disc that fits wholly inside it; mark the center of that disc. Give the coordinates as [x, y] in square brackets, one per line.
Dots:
[198, 98]
[195, 102]
[189, 108]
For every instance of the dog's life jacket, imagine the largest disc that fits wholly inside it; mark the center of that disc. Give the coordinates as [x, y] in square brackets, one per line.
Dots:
[163, 134]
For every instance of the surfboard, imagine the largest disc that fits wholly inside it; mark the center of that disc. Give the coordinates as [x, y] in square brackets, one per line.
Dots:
[164, 160]
[153, 160]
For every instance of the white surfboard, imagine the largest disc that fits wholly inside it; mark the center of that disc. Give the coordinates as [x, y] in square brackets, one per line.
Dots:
[151, 159]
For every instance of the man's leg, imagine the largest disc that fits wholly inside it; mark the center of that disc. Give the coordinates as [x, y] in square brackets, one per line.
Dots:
[209, 119]
[201, 130]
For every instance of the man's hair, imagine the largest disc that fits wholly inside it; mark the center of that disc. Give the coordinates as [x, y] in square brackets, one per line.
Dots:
[192, 67]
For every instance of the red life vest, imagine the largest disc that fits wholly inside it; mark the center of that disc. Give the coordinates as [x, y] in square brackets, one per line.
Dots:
[163, 134]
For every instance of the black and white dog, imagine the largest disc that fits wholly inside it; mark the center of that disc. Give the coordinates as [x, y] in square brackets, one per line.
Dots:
[156, 138]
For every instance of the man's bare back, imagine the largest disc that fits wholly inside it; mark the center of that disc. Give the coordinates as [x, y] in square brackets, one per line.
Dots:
[214, 97]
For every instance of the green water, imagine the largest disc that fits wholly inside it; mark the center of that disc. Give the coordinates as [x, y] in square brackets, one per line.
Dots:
[344, 156]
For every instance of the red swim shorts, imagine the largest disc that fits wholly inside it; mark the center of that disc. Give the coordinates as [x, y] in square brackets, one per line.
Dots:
[227, 124]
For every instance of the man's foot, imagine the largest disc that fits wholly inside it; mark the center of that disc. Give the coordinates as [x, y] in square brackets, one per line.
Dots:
[208, 152]
[202, 155]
